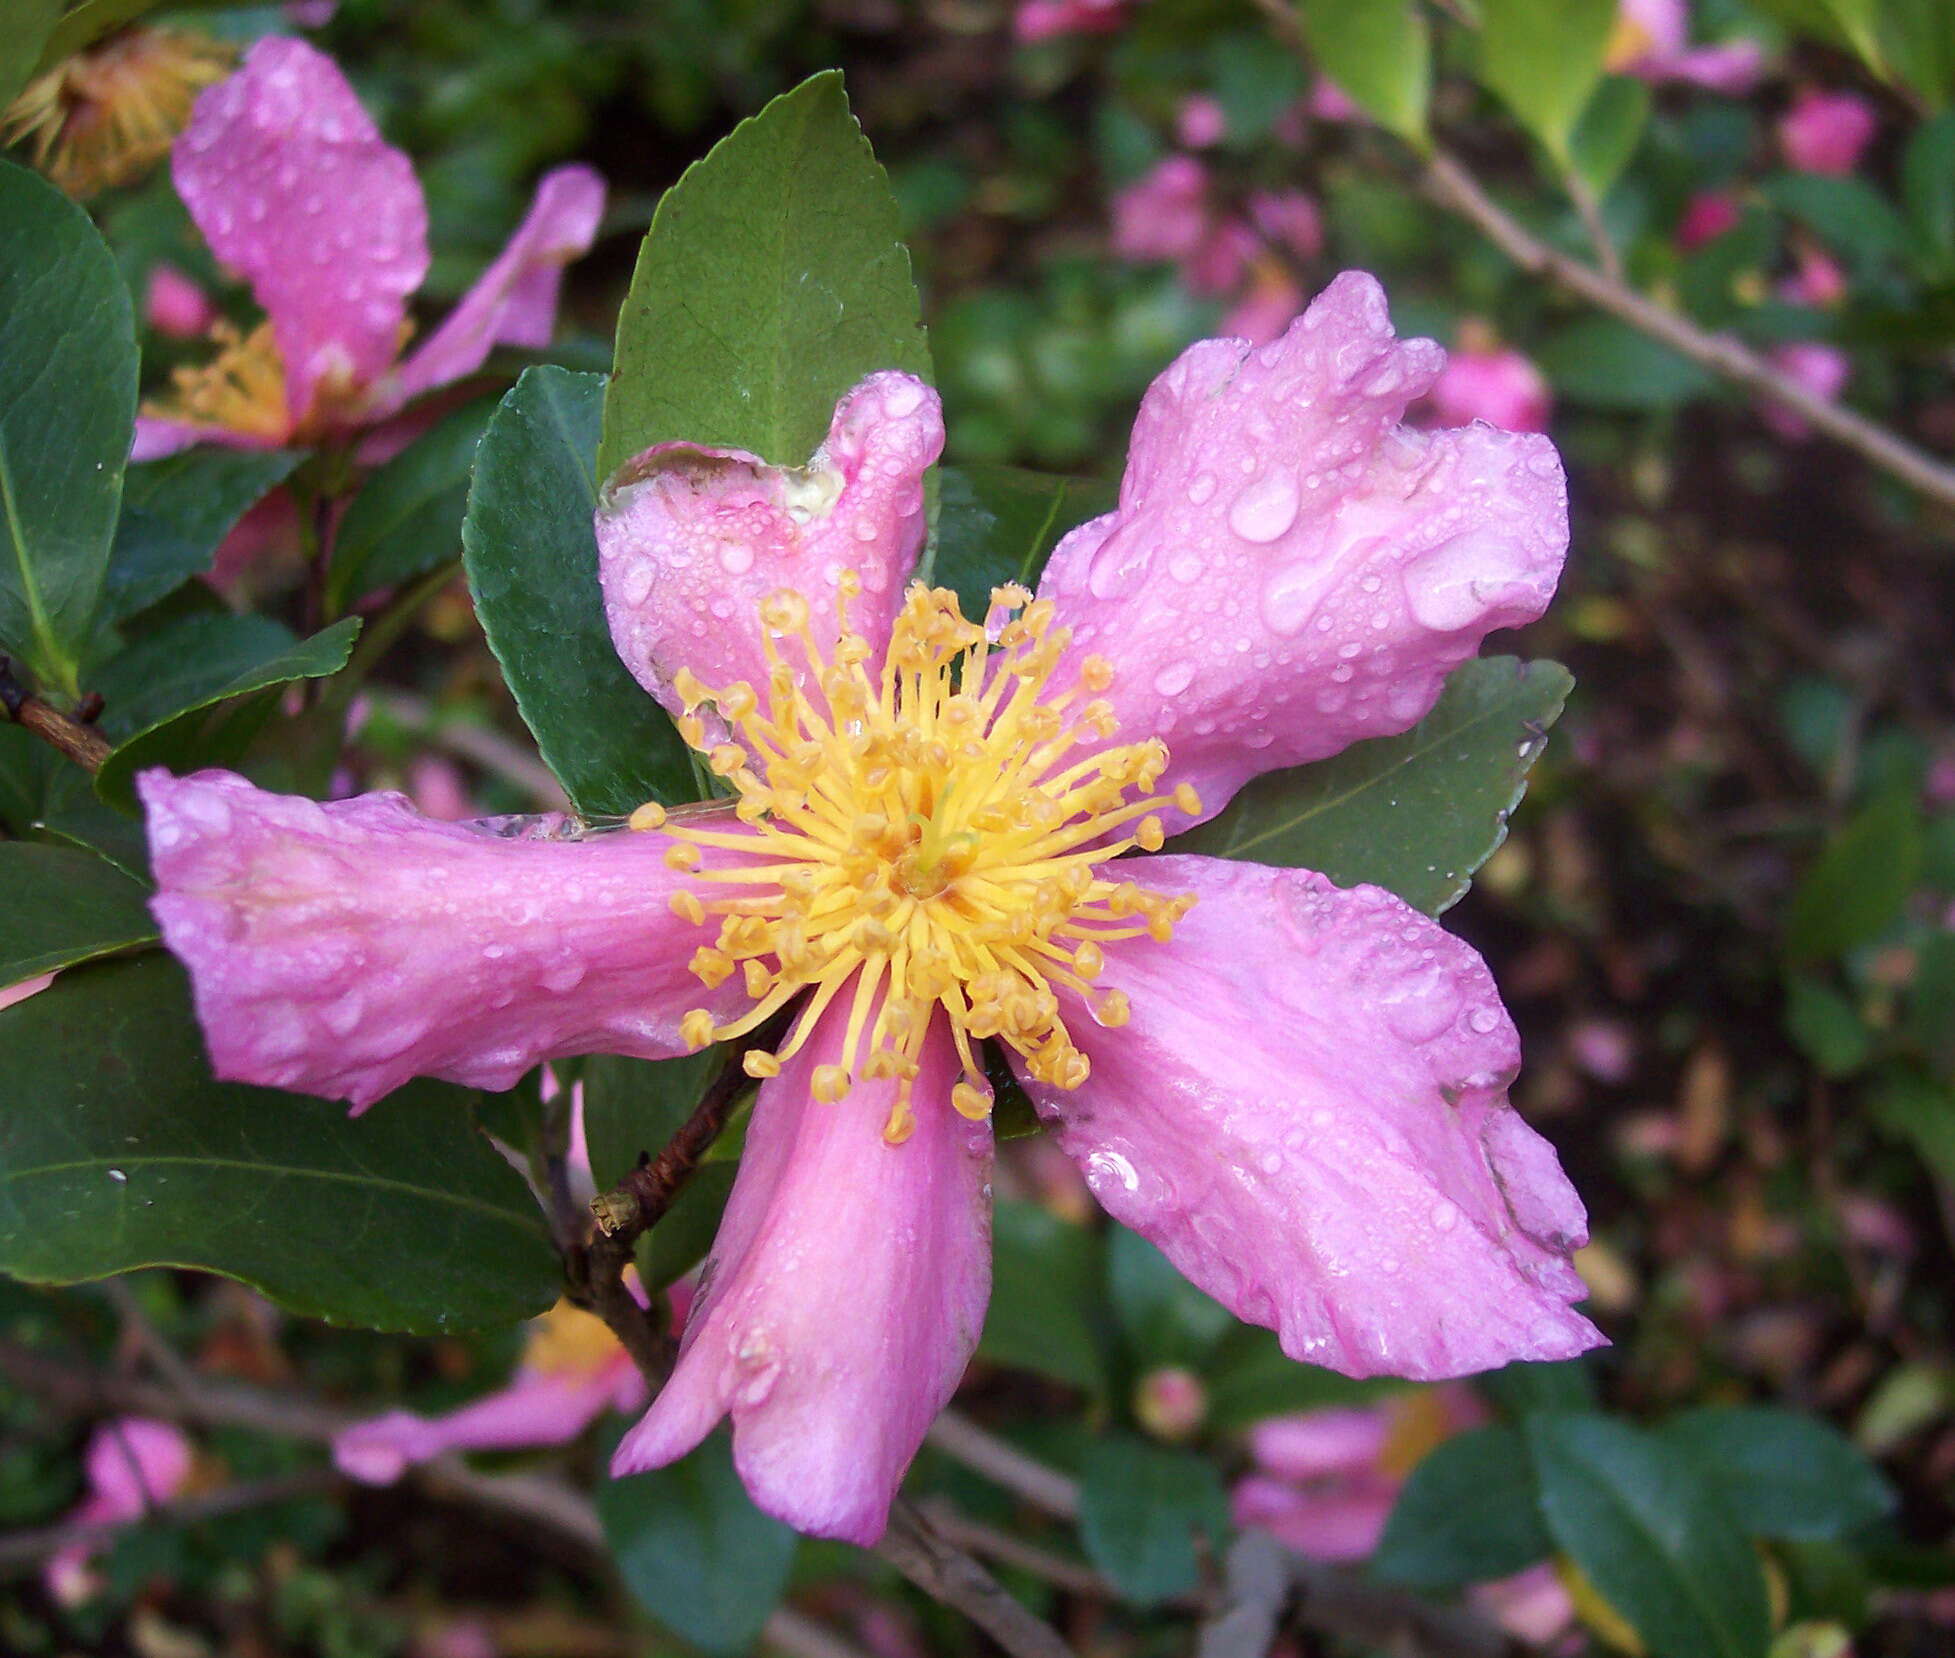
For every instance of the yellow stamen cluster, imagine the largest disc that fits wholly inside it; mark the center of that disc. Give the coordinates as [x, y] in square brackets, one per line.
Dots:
[241, 389]
[107, 115]
[918, 838]
[567, 1341]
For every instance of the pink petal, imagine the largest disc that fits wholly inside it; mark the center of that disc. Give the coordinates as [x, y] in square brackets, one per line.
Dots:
[294, 188]
[843, 1297]
[1499, 386]
[157, 438]
[1311, 1444]
[21, 989]
[1338, 1523]
[534, 1410]
[515, 300]
[340, 949]
[690, 540]
[1165, 213]
[176, 306]
[1290, 569]
[133, 1464]
[1046, 19]
[1827, 132]
[1308, 1114]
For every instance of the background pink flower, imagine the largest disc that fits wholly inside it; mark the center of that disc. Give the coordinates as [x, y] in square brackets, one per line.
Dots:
[133, 1464]
[1826, 132]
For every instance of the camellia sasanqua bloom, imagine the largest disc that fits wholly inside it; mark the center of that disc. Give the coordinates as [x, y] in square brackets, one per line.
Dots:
[1652, 41]
[133, 1464]
[294, 189]
[945, 832]
[1486, 380]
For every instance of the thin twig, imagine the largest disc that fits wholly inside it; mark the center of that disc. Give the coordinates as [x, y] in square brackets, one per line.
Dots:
[150, 1341]
[947, 1573]
[82, 743]
[21, 1551]
[1448, 182]
[1003, 1463]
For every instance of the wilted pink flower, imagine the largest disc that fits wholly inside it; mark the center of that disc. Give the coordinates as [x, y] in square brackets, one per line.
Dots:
[573, 1370]
[1826, 132]
[293, 188]
[1820, 368]
[1652, 41]
[1200, 122]
[1484, 380]
[176, 306]
[133, 1464]
[1706, 216]
[1046, 19]
[1297, 1092]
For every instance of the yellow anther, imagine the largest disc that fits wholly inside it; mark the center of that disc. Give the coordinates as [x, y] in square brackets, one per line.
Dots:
[737, 701]
[696, 1028]
[1089, 961]
[687, 687]
[758, 980]
[971, 1101]
[849, 584]
[901, 1124]
[1187, 800]
[726, 760]
[1148, 834]
[784, 611]
[711, 967]
[1112, 1009]
[758, 1062]
[651, 815]
[1096, 673]
[830, 1084]
[693, 730]
[687, 907]
[682, 855]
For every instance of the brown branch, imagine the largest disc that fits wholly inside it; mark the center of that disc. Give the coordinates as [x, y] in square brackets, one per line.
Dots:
[946, 1573]
[81, 742]
[1447, 181]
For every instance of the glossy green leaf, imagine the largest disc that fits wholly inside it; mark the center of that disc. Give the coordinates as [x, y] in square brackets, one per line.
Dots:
[1609, 131]
[1141, 1507]
[219, 725]
[1249, 1377]
[58, 907]
[1526, 1385]
[119, 1151]
[1847, 214]
[1928, 189]
[67, 410]
[693, 1549]
[1648, 1527]
[1047, 1292]
[1859, 882]
[24, 29]
[1931, 1002]
[771, 281]
[1468, 1513]
[1166, 1320]
[1417, 813]
[176, 512]
[179, 664]
[1826, 1026]
[1917, 42]
[998, 524]
[531, 553]
[1543, 58]
[1380, 54]
[407, 518]
[636, 1105]
[1609, 365]
[1782, 1474]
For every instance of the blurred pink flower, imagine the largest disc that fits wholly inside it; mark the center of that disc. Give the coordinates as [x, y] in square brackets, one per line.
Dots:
[133, 1464]
[1170, 1403]
[1820, 368]
[1047, 19]
[1257, 1070]
[1652, 42]
[293, 187]
[1826, 132]
[1200, 122]
[573, 1370]
[436, 786]
[1604, 1048]
[1289, 220]
[176, 306]
[1268, 307]
[1818, 281]
[1534, 1605]
[1165, 214]
[1484, 380]
[1330, 102]
[1706, 216]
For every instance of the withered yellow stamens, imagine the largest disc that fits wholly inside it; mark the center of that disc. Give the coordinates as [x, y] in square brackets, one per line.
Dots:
[926, 837]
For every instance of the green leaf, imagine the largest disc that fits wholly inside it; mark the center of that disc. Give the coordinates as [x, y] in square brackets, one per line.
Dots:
[175, 514]
[1928, 188]
[1609, 131]
[407, 518]
[1529, 1385]
[1543, 58]
[67, 410]
[1931, 1003]
[217, 728]
[1166, 1320]
[530, 549]
[1917, 1109]
[1467, 1513]
[999, 524]
[1782, 1474]
[771, 281]
[1847, 214]
[59, 907]
[1417, 813]
[686, 1231]
[1857, 22]
[1047, 1278]
[694, 1550]
[1249, 1377]
[1859, 883]
[1826, 1026]
[1609, 365]
[634, 1105]
[1379, 54]
[1917, 38]
[120, 1151]
[180, 663]
[1645, 1524]
[24, 29]
[1140, 1506]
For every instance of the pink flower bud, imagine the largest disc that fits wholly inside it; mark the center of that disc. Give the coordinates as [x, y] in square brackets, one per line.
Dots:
[1171, 1403]
[1707, 216]
[1200, 122]
[176, 306]
[1826, 132]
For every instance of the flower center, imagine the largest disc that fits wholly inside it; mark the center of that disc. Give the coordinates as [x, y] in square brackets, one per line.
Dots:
[923, 835]
[241, 389]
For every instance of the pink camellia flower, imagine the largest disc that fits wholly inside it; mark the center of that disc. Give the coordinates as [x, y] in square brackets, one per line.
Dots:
[1706, 216]
[133, 1465]
[1037, 20]
[1288, 220]
[176, 306]
[1826, 132]
[573, 1370]
[1485, 380]
[294, 189]
[1652, 42]
[1299, 1093]
[1820, 368]
[1165, 214]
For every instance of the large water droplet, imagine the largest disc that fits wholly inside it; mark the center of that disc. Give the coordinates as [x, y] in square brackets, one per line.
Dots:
[1175, 678]
[1266, 508]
